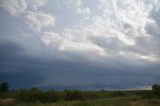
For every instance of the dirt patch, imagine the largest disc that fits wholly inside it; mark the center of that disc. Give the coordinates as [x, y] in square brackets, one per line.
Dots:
[7, 101]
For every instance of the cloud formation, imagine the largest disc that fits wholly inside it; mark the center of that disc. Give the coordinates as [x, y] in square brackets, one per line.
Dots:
[76, 3]
[35, 19]
[125, 23]
[39, 20]
[65, 43]
[83, 11]
[77, 43]
[14, 7]
[37, 3]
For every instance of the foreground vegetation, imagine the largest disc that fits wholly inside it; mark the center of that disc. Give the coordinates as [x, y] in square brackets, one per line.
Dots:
[120, 101]
[37, 97]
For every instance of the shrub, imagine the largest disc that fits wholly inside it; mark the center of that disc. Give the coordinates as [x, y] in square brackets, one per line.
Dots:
[35, 95]
[4, 87]
[74, 95]
[156, 87]
[32, 95]
[51, 96]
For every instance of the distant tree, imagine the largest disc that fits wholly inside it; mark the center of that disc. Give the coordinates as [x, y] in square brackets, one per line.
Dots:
[4, 87]
[156, 87]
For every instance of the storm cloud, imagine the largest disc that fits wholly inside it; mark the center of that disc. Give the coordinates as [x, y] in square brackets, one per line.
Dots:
[80, 44]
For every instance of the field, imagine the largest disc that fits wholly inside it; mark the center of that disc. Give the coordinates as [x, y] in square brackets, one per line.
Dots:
[35, 97]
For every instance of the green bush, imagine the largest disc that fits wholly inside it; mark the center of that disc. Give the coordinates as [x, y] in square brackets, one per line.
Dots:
[4, 87]
[156, 87]
[51, 96]
[32, 95]
[37, 95]
[74, 95]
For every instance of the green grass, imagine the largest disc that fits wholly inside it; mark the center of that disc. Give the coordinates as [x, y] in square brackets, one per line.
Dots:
[85, 98]
[119, 101]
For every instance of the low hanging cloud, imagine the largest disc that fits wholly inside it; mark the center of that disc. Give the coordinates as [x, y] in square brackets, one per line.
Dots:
[40, 20]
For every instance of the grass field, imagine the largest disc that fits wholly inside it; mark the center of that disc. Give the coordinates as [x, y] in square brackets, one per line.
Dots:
[90, 98]
[119, 101]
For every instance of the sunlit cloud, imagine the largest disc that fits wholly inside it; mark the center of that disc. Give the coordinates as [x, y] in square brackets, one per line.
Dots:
[68, 44]
[40, 20]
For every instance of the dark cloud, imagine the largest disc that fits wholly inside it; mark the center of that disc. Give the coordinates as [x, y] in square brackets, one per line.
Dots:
[24, 71]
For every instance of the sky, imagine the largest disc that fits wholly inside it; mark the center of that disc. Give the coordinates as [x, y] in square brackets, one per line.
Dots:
[80, 44]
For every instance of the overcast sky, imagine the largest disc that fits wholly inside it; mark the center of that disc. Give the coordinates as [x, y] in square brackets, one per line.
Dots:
[85, 44]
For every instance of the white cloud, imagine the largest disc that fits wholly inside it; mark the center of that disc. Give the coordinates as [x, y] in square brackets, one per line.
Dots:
[37, 3]
[40, 20]
[134, 55]
[83, 11]
[66, 43]
[120, 24]
[14, 7]
[78, 6]
[74, 3]
[129, 26]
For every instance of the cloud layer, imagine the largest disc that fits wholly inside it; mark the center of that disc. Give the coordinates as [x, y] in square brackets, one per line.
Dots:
[89, 44]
